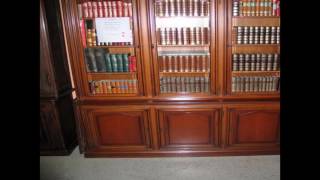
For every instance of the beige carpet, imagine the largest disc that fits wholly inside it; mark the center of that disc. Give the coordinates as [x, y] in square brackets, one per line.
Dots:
[76, 167]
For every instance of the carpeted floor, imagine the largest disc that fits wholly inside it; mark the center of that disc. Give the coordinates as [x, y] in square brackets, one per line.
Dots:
[76, 167]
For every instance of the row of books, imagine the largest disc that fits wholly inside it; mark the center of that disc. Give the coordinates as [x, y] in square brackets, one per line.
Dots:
[257, 34]
[182, 8]
[183, 36]
[108, 8]
[255, 84]
[255, 62]
[184, 84]
[98, 60]
[191, 63]
[124, 86]
[256, 7]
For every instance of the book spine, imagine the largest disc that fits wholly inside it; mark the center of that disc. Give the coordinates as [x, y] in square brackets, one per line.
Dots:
[235, 8]
[108, 62]
[234, 62]
[251, 34]
[89, 37]
[261, 8]
[269, 62]
[275, 65]
[83, 33]
[92, 59]
[245, 34]
[239, 34]
[253, 62]
[247, 62]
[262, 33]
[170, 69]
[114, 63]
[80, 13]
[192, 63]
[85, 12]
[258, 62]
[120, 8]
[175, 63]
[94, 9]
[119, 62]
[267, 35]
[178, 84]
[125, 62]
[94, 37]
[90, 12]
[278, 8]
[181, 68]
[241, 62]
[101, 63]
[133, 63]
[256, 35]
[278, 35]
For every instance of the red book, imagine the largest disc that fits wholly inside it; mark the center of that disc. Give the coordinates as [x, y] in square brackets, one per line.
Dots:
[130, 9]
[278, 8]
[94, 9]
[90, 13]
[119, 8]
[85, 9]
[83, 33]
[105, 9]
[132, 63]
[100, 9]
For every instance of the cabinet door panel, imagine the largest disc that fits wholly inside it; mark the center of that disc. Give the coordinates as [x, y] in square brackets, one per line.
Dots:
[254, 126]
[189, 128]
[117, 129]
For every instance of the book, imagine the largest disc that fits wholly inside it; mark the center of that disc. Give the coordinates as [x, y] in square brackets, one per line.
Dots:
[133, 63]
[90, 60]
[119, 62]
[90, 13]
[251, 34]
[125, 62]
[235, 8]
[114, 63]
[269, 62]
[83, 33]
[258, 62]
[108, 62]
[235, 62]
[84, 11]
[241, 62]
[262, 34]
[94, 9]
[253, 62]
[240, 34]
[247, 62]
[100, 61]
[275, 66]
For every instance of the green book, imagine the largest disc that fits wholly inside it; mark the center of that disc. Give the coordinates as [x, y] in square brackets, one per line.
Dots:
[108, 62]
[125, 63]
[119, 61]
[114, 63]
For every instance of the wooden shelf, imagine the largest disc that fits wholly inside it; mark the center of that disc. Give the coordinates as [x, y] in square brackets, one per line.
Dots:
[185, 46]
[105, 76]
[256, 21]
[112, 46]
[188, 74]
[116, 94]
[255, 73]
[170, 17]
[188, 94]
[255, 48]
[257, 93]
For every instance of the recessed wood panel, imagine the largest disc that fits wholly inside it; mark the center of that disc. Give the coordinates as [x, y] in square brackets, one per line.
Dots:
[120, 129]
[112, 128]
[189, 128]
[254, 127]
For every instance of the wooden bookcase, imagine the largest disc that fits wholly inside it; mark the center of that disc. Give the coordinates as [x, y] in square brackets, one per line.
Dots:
[179, 109]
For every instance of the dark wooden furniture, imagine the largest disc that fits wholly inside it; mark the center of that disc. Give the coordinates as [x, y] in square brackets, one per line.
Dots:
[151, 123]
[57, 121]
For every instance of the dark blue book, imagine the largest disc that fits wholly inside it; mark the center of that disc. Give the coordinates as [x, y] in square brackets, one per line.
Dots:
[101, 63]
[90, 60]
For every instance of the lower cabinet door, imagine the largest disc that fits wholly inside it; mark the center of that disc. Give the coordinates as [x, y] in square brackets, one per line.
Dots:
[189, 128]
[254, 126]
[116, 128]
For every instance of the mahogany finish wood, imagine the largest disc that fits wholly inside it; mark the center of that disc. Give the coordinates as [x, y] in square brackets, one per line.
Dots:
[153, 124]
[186, 128]
[57, 122]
